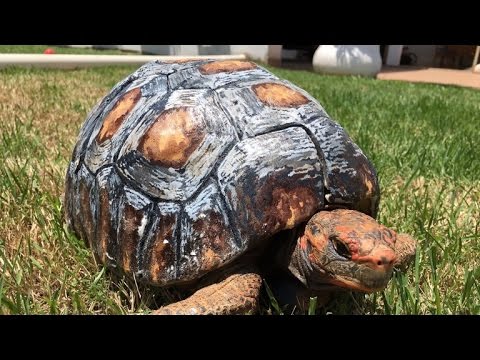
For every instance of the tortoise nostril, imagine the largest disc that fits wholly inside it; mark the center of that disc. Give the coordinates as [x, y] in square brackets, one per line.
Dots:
[385, 261]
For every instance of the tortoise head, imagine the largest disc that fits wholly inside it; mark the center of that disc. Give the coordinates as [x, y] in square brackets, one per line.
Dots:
[348, 249]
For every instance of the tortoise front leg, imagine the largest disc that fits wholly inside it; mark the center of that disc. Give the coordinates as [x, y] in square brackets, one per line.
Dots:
[236, 294]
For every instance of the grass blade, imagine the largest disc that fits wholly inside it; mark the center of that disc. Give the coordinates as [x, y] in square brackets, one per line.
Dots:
[312, 306]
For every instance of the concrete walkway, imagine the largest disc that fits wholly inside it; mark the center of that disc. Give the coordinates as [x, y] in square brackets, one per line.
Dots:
[431, 75]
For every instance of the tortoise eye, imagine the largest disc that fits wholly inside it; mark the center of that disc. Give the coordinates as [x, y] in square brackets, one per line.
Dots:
[340, 248]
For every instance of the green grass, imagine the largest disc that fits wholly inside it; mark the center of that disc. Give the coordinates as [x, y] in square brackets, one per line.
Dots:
[423, 140]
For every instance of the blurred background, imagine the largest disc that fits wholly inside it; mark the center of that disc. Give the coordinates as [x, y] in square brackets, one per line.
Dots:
[300, 56]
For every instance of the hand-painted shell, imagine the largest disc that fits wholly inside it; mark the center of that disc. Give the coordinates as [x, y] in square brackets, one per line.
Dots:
[184, 166]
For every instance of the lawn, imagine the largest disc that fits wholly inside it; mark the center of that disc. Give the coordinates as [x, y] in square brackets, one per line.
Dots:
[423, 140]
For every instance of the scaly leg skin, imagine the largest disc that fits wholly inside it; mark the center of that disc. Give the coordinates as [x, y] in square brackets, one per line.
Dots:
[405, 250]
[236, 294]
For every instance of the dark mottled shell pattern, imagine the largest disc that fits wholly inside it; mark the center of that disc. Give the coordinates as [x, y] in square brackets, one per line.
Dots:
[184, 166]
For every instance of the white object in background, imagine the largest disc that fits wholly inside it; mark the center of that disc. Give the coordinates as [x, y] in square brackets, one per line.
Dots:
[348, 59]
[394, 54]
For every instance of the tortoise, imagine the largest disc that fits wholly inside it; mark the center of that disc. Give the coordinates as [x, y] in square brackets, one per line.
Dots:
[206, 175]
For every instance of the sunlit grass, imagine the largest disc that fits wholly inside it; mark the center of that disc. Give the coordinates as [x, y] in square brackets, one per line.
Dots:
[423, 140]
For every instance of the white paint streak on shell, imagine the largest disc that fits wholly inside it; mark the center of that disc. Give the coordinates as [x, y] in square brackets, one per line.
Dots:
[179, 184]
[92, 123]
[192, 78]
[191, 244]
[288, 148]
[98, 155]
[188, 97]
[343, 160]
[252, 117]
[165, 68]
[274, 158]
[142, 206]
[306, 169]
[141, 228]
[333, 142]
[150, 86]
[205, 201]
[136, 199]
[163, 216]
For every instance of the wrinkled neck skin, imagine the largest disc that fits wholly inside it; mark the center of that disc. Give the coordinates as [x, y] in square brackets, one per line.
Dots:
[296, 262]
[292, 259]
[299, 266]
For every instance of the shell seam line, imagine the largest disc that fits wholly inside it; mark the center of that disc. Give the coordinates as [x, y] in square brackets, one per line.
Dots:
[82, 154]
[315, 142]
[231, 219]
[230, 120]
[178, 240]
[146, 236]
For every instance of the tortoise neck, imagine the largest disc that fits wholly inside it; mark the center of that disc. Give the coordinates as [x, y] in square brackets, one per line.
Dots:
[298, 264]
[292, 258]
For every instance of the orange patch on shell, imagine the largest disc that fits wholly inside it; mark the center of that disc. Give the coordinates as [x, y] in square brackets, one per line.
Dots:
[369, 185]
[293, 206]
[171, 139]
[128, 237]
[214, 244]
[120, 111]
[226, 66]
[162, 253]
[279, 95]
[367, 181]
[179, 61]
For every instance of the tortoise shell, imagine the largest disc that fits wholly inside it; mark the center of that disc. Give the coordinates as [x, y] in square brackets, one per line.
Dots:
[184, 166]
